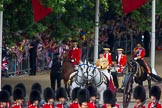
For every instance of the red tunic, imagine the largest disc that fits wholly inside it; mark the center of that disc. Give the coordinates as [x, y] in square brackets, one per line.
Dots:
[116, 106]
[139, 52]
[121, 62]
[60, 106]
[75, 55]
[74, 105]
[8, 105]
[109, 58]
[32, 106]
[15, 105]
[137, 105]
[92, 104]
[47, 106]
[151, 105]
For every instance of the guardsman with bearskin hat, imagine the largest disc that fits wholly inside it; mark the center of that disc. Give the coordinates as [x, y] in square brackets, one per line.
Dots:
[121, 60]
[8, 88]
[4, 99]
[75, 54]
[93, 95]
[109, 99]
[34, 99]
[74, 104]
[49, 97]
[23, 88]
[61, 96]
[139, 95]
[37, 86]
[155, 94]
[18, 97]
[83, 99]
[108, 55]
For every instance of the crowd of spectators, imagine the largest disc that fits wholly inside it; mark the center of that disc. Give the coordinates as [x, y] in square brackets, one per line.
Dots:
[113, 30]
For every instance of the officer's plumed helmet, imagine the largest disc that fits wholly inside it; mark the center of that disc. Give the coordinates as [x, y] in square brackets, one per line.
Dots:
[109, 97]
[4, 96]
[8, 88]
[155, 91]
[139, 93]
[18, 94]
[75, 92]
[92, 90]
[83, 96]
[61, 93]
[21, 86]
[37, 86]
[48, 94]
[34, 96]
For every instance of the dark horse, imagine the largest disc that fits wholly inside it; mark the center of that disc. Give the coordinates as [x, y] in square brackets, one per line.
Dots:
[67, 69]
[136, 74]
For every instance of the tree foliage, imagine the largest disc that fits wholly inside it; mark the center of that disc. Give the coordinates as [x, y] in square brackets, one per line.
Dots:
[68, 16]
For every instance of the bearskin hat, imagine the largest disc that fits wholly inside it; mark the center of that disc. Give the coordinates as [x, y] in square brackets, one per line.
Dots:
[8, 88]
[48, 94]
[92, 90]
[83, 96]
[61, 92]
[4, 96]
[21, 86]
[37, 86]
[109, 97]
[18, 94]
[35, 95]
[75, 92]
[139, 93]
[155, 91]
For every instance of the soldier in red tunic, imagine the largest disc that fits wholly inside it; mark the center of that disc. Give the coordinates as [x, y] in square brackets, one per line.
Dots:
[108, 55]
[8, 88]
[4, 99]
[37, 86]
[139, 95]
[74, 104]
[93, 95]
[155, 94]
[75, 54]
[34, 99]
[109, 99]
[83, 99]
[121, 60]
[61, 97]
[139, 54]
[18, 97]
[49, 97]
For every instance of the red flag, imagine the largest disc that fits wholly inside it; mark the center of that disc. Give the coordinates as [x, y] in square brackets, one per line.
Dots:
[39, 10]
[130, 5]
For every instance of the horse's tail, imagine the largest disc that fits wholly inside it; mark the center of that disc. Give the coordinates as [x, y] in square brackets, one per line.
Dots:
[156, 78]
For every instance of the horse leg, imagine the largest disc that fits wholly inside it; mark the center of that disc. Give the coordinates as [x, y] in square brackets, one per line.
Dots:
[67, 88]
[149, 82]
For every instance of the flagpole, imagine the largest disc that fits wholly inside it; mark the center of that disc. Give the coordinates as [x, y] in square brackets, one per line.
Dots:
[96, 31]
[1, 23]
[153, 38]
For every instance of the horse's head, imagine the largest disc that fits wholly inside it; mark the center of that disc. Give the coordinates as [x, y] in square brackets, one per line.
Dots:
[132, 66]
[64, 55]
[88, 71]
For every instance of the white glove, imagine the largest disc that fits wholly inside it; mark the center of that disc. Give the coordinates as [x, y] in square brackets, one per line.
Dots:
[72, 60]
[135, 58]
